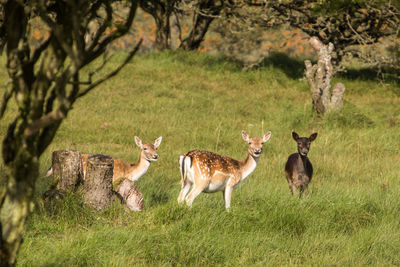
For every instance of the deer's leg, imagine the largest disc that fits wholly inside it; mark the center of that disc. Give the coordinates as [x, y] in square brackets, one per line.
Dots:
[290, 186]
[293, 188]
[184, 190]
[303, 190]
[227, 196]
[196, 190]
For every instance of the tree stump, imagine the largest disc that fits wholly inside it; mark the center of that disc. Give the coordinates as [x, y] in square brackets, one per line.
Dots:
[97, 189]
[128, 192]
[67, 169]
[319, 79]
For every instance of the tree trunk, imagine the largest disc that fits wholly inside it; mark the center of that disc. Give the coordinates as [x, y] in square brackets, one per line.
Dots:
[16, 203]
[44, 85]
[197, 34]
[127, 190]
[211, 8]
[319, 79]
[163, 33]
[161, 11]
[97, 189]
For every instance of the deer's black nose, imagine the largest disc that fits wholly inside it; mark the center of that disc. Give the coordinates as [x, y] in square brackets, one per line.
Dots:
[155, 157]
[257, 151]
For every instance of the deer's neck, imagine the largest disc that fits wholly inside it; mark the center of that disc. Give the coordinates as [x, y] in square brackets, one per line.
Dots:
[138, 169]
[304, 160]
[248, 166]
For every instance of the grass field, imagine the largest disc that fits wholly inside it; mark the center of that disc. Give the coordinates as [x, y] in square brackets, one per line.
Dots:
[349, 218]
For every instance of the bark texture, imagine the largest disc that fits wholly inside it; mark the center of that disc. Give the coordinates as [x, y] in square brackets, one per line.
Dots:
[319, 79]
[161, 11]
[16, 203]
[206, 12]
[128, 192]
[67, 168]
[97, 189]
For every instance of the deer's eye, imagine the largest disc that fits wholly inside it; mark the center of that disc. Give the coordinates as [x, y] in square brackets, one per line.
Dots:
[249, 143]
[144, 148]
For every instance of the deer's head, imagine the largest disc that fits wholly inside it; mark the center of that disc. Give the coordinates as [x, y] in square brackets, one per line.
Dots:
[149, 150]
[255, 143]
[303, 143]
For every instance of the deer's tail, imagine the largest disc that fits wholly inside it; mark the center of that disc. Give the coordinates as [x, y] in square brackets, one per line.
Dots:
[48, 172]
[185, 162]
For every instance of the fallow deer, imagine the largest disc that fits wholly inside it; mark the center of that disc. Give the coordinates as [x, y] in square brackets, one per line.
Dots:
[209, 172]
[148, 154]
[298, 168]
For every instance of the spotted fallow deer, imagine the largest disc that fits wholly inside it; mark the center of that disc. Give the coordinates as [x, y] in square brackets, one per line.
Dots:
[209, 172]
[298, 168]
[148, 154]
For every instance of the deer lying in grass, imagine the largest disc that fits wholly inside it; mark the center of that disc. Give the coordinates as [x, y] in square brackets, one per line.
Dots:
[148, 154]
[298, 168]
[209, 172]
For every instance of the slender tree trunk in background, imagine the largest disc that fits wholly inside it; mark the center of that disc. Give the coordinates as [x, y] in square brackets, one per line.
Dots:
[127, 190]
[203, 17]
[196, 36]
[163, 31]
[161, 11]
[97, 189]
[319, 79]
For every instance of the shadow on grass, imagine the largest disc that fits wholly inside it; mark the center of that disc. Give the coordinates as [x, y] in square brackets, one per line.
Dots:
[190, 58]
[351, 117]
[159, 197]
[373, 74]
[292, 67]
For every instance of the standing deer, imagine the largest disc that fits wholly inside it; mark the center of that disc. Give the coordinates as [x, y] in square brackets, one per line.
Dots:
[209, 172]
[298, 168]
[148, 154]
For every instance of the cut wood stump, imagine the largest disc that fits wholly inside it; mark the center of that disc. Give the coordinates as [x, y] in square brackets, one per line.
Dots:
[97, 189]
[128, 192]
[67, 170]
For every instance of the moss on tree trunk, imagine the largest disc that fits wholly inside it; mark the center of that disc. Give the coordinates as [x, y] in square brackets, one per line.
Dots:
[16, 203]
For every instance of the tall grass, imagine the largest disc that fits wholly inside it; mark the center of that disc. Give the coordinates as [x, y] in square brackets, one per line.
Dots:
[349, 217]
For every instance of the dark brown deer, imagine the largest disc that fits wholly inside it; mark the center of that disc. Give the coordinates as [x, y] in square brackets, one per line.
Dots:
[298, 168]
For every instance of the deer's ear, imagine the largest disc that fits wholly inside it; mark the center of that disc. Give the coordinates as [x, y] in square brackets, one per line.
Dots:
[313, 136]
[295, 136]
[245, 137]
[266, 137]
[138, 142]
[158, 141]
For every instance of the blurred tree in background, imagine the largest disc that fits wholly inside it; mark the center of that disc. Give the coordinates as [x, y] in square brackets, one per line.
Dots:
[204, 12]
[200, 12]
[344, 23]
[161, 11]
